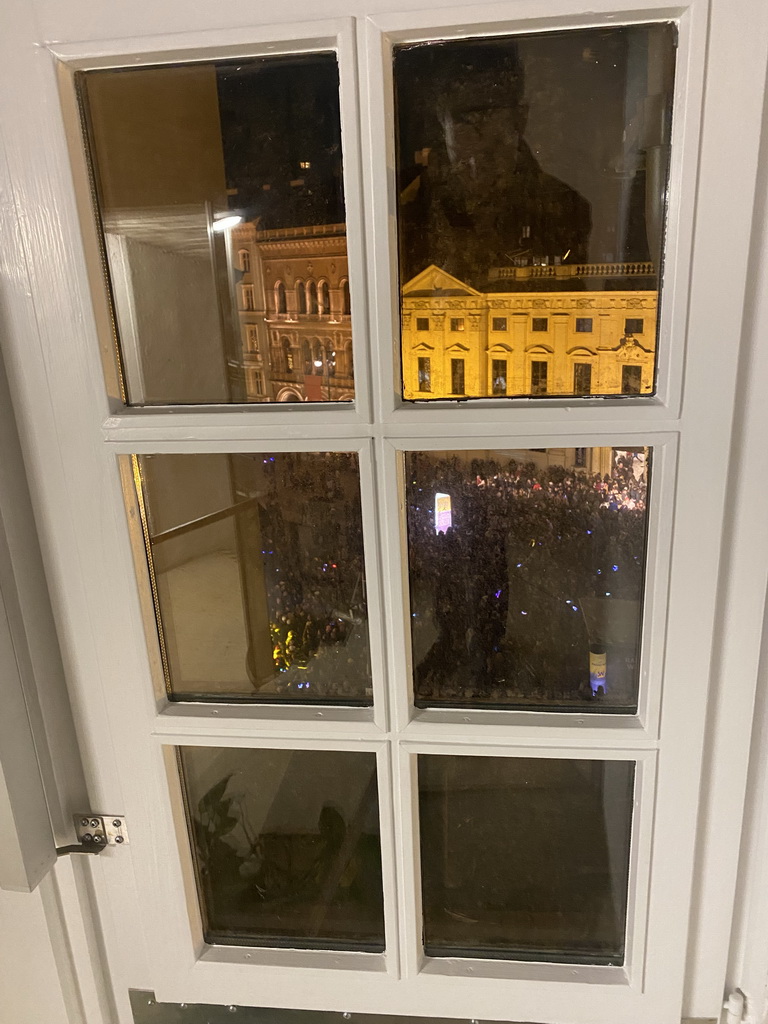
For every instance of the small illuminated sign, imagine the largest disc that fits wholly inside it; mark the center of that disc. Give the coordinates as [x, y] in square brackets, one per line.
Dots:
[443, 516]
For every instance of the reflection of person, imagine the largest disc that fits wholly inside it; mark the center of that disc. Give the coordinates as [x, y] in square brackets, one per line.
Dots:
[480, 198]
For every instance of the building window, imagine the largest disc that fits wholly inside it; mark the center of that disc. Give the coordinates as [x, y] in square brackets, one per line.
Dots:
[580, 457]
[425, 374]
[499, 323]
[257, 382]
[633, 325]
[539, 368]
[306, 355]
[325, 298]
[345, 300]
[582, 379]
[312, 304]
[248, 300]
[281, 306]
[457, 323]
[540, 323]
[631, 380]
[457, 377]
[422, 323]
[301, 298]
[245, 260]
[499, 376]
[583, 324]
[287, 353]
[252, 335]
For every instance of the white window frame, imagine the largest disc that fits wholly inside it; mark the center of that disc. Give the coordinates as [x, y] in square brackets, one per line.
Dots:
[100, 621]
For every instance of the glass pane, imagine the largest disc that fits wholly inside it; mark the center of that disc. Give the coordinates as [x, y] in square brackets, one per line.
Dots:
[257, 564]
[286, 846]
[525, 858]
[526, 572]
[532, 175]
[221, 202]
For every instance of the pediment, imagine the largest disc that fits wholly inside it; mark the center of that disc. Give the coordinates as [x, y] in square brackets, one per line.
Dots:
[500, 346]
[435, 282]
[540, 350]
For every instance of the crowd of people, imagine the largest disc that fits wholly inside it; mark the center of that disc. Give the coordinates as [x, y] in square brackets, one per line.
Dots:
[312, 558]
[508, 600]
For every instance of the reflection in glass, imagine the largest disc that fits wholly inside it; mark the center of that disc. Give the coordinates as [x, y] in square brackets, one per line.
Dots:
[526, 573]
[221, 201]
[532, 174]
[286, 846]
[257, 562]
[525, 858]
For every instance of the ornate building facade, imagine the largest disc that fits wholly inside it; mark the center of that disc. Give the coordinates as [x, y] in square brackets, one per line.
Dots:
[293, 307]
[460, 342]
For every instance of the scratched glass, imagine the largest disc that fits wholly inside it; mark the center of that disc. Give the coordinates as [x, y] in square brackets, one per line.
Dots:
[526, 571]
[259, 596]
[532, 180]
[286, 846]
[220, 198]
[525, 858]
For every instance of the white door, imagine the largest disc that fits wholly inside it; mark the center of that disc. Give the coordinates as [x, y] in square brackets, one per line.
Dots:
[377, 369]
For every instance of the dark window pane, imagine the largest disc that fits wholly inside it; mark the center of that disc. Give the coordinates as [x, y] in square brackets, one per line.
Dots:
[422, 323]
[286, 846]
[634, 325]
[631, 380]
[457, 323]
[257, 562]
[582, 378]
[526, 576]
[425, 375]
[525, 858]
[532, 176]
[220, 196]
[499, 371]
[539, 370]
[457, 376]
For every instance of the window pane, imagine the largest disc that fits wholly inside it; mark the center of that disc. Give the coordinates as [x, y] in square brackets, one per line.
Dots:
[525, 858]
[220, 196]
[257, 563]
[526, 577]
[532, 175]
[286, 846]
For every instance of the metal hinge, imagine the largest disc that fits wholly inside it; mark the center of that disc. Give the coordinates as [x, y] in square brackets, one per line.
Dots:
[95, 832]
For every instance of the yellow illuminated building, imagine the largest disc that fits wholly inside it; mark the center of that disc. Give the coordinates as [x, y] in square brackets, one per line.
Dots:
[460, 342]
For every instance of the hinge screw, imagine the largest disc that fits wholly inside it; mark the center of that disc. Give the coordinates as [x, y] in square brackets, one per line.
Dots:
[97, 839]
[119, 839]
[347, 1016]
[84, 822]
[232, 1009]
[117, 823]
[94, 822]
[87, 838]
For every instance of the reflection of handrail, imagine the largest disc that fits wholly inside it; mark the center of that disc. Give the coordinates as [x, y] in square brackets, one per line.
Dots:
[206, 520]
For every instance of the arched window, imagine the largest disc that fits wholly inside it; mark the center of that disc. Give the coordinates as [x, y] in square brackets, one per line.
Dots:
[345, 301]
[318, 357]
[244, 258]
[280, 301]
[287, 354]
[312, 298]
[306, 353]
[301, 298]
[325, 298]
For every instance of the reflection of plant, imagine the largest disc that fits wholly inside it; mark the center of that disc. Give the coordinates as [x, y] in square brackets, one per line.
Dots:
[212, 822]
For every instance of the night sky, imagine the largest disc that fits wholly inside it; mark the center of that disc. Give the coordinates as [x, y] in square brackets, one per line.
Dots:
[277, 113]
